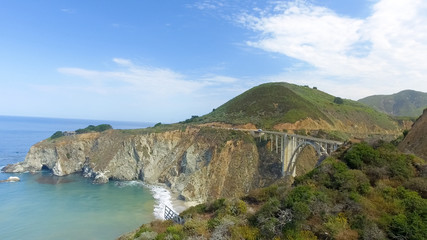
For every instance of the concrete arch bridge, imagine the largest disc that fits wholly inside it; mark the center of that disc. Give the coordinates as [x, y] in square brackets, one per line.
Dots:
[291, 145]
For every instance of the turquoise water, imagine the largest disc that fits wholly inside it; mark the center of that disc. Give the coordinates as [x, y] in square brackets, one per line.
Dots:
[43, 206]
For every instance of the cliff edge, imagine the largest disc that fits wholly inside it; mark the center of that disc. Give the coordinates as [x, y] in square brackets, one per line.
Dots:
[415, 141]
[197, 163]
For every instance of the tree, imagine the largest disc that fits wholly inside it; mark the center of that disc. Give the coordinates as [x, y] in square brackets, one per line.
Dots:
[57, 134]
[338, 100]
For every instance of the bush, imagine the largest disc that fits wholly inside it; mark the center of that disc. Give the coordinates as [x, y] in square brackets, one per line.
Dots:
[140, 231]
[190, 212]
[338, 100]
[197, 227]
[215, 205]
[418, 184]
[355, 181]
[244, 232]
[193, 118]
[238, 207]
[293, 234]
[260, 195]
[360, 154]
[337, 224]
[92, 128]
[57, 134]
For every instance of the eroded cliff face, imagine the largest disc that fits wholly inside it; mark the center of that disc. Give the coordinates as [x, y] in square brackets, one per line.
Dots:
[416, 140]
[197, 163]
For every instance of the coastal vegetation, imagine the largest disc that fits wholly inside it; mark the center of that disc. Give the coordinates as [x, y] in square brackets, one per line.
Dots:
[90, 128]
[362, 192]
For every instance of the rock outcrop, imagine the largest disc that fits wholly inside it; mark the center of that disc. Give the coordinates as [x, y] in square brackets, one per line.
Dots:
[11, 179]
[197, 163]
[415, 141]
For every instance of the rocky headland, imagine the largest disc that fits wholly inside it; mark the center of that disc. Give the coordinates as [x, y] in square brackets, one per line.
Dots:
[203, 158]
[196, 163]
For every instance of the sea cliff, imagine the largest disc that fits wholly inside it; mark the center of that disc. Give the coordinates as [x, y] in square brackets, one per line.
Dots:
[196, 163]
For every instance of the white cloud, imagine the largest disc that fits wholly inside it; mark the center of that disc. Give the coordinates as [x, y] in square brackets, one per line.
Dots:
[123, 62]
[383, 53]
[148, 80]
[160, 93]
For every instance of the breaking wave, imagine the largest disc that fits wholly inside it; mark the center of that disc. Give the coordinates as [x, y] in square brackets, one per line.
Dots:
[161, 195]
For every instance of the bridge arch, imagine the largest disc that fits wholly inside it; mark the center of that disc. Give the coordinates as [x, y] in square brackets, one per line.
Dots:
[320, 150]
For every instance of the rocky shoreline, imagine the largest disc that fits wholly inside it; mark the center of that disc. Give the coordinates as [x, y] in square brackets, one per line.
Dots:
[198, 164]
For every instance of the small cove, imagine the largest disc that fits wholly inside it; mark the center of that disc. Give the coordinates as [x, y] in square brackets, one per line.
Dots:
[71, 207]
[43, 206]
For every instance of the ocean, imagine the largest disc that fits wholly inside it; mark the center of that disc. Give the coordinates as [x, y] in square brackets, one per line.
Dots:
[43, 206]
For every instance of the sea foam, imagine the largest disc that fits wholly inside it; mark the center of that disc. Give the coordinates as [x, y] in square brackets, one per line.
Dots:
[161, 195]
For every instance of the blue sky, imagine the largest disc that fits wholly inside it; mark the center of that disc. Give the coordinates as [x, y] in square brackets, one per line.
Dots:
[164, 61]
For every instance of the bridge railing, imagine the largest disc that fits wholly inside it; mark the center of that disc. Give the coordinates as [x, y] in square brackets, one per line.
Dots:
[172, 215]
[259, 131]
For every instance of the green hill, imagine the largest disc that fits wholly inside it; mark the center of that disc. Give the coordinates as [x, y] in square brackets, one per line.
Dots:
[270, 104]
[407, 103]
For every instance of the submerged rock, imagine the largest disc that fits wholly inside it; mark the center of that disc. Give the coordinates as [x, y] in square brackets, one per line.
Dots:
[11, 179]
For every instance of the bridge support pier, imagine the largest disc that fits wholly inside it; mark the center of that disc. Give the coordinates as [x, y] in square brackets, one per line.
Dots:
[291, 145]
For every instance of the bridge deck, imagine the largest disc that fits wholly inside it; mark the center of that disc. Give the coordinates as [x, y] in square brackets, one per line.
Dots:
[293, 135]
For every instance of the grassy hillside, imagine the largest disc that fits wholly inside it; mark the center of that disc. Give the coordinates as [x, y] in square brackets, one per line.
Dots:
[364, 192]
[405, 103]
[266, 104]
[274, 103]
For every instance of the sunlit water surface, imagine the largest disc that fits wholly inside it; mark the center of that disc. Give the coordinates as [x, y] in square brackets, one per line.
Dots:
[43, 206]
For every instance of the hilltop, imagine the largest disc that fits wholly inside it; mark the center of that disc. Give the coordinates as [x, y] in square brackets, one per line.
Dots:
[284, 106]
[407, 103]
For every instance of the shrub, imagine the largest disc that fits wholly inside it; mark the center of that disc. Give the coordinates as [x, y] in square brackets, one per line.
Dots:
[399, 166]
[92, 128]
[262, 194]
[57, 134]
[244, 232]
[293, 234]
[221, 231]
[238, 207]
[337, 224]
[418, 184]
[196, 227]
[141, 230]
[193, 118]
[190, 212]
[360, 154]
[355, 181]
[338, 100]
[215, 205]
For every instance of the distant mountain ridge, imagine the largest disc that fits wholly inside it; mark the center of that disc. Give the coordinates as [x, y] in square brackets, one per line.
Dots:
[408, 103]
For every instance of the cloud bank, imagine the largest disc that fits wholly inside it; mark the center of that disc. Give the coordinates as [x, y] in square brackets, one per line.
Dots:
[384, 52]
